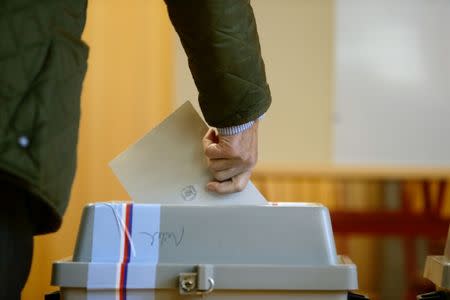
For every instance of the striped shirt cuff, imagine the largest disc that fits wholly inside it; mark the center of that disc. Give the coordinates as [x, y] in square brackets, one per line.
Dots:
[233, 130]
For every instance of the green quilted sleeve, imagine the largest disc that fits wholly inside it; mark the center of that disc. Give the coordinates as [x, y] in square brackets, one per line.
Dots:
[221, 42]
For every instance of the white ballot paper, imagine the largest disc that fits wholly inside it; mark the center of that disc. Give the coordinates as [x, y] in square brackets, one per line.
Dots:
[168, 165]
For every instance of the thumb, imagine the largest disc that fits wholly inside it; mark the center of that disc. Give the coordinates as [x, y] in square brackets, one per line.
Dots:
[209, 138]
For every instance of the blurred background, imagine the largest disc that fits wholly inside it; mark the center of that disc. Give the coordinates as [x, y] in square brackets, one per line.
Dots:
[359, 122]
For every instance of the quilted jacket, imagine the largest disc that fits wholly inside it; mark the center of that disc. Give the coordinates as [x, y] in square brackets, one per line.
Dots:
[42, 66]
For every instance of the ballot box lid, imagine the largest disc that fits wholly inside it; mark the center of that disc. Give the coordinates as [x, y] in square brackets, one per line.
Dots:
[271, 246]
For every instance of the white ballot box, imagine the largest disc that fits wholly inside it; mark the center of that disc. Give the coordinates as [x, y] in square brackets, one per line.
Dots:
[245, 252]
[437, 270]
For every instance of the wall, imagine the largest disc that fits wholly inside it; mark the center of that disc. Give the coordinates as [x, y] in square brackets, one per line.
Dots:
[392, 82]
[127, 91]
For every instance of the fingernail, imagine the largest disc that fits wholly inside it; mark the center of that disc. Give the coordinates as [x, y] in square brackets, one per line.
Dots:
[209, 187]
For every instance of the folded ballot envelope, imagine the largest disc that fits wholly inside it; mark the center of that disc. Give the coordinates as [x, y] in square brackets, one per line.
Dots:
[168, 165]
[178, 241]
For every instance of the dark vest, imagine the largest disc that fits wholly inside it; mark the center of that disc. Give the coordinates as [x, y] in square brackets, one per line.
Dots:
[42, 66]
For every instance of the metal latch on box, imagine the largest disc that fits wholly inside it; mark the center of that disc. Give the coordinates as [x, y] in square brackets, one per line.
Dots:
[199, 283]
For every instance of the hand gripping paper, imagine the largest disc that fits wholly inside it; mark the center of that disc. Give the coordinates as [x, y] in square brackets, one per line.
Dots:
[168, 165]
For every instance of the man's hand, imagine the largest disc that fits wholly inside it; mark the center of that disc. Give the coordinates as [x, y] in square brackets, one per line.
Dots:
[231, 159]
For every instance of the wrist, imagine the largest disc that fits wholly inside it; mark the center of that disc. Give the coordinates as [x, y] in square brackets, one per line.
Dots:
[233, 130]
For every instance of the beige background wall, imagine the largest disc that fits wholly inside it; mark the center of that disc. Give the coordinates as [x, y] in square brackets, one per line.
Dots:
[296, 40]
[138, 74]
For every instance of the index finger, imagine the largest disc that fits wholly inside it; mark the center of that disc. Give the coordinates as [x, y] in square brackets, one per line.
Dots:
[234, 185]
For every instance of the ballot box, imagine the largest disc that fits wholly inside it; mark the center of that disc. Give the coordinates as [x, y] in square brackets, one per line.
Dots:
[272, 251]
[177, 240]
[437, 270]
